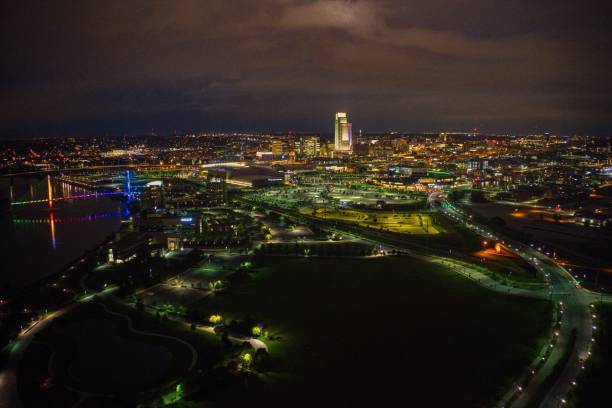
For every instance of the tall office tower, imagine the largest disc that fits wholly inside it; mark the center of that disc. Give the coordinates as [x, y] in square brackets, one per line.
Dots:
[310, 146]
[153, 197]
[278, 146]
[343, 133]
[216, 192]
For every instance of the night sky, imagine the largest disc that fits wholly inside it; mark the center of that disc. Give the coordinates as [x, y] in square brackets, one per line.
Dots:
[94, 67]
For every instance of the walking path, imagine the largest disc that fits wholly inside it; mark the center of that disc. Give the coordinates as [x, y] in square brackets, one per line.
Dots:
[194, 353]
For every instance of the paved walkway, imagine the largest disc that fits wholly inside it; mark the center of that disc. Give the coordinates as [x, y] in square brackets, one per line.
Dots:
[486, 281]
[194, 352]
[255, 343]
[9, 391]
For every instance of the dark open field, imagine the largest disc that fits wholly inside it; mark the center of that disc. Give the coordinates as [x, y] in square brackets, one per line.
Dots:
[372, 332]
[90, 352]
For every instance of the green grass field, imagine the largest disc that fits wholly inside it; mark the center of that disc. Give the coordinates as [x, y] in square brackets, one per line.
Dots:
[401, 223]
[372, 332]
[460, 242]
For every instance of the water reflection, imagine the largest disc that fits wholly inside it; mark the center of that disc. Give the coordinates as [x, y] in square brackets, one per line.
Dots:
[58, 224]
[50, 191]
[54, 220]
[52, 225]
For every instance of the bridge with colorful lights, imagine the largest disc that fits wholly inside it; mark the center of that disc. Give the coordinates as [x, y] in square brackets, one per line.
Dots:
[135, 167]
[60, 175]
[50, 199]
[54, 199]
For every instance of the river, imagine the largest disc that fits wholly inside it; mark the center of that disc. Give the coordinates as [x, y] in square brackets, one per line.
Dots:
[39, 239]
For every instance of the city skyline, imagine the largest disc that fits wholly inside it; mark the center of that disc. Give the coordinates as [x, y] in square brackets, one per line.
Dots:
[117, 68]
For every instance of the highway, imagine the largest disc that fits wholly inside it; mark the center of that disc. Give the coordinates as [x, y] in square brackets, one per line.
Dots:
[575, 303]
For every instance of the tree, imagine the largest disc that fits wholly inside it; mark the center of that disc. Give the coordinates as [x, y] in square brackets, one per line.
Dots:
[246, 359]
[215, 319]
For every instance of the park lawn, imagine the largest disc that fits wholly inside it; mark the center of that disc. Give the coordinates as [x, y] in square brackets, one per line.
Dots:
[452, 235]
[376, 331]
[462, 243]
[401, 223]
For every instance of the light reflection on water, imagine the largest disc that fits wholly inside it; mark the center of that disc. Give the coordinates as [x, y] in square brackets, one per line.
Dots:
[40, 239]
[52, 227]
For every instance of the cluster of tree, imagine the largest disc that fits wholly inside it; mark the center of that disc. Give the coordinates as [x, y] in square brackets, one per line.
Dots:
[478, 196]
[386, 206]
[226, 239]
[456, 195]
[241, 327]
[318, 249]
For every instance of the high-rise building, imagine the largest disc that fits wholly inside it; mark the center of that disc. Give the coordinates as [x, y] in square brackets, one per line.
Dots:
[216, 192]
[309, 146]
[278, 146]
[153, 196]
[343, 141]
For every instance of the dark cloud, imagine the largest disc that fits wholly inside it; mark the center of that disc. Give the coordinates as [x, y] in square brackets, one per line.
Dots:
[92, 66]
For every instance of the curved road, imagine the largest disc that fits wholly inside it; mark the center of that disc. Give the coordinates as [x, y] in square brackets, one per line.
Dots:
[575, 302]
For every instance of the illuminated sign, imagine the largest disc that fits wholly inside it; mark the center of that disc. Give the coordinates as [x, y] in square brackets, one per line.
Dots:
[187, 219]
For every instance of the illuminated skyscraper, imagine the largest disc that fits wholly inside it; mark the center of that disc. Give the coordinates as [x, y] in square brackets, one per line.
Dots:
[278, 146]
[309, 146]
[343, 133]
